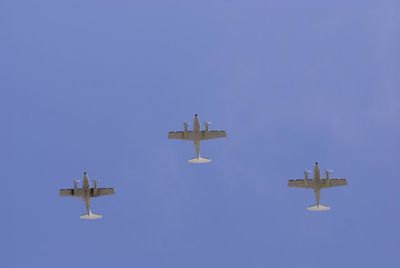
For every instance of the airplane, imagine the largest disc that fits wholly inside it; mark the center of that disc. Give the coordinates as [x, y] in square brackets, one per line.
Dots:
[86, 192]
[196, 136]
[317, 184]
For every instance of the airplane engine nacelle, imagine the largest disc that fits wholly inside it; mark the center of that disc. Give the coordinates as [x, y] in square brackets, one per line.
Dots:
[328, 173]
[206, 125]
[186, 126]
[95, 188]
[75, 187]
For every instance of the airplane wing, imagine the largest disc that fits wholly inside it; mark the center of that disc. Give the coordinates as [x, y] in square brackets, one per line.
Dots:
[101, 191]
[212, 134]
[71, 192]
[326, 183]
[301, 183]
[181, 135]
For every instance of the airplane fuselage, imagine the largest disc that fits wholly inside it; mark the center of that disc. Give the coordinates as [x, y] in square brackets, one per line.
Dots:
[317, 175]
[86, 191]
[85, 184]
[196, 134]
[317, 180]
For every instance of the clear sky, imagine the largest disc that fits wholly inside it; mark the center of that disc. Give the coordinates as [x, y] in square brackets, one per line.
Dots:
[96, 85]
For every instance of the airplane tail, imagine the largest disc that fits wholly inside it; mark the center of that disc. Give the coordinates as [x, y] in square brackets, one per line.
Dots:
[91, 216]
[318, 208]
[199, 160]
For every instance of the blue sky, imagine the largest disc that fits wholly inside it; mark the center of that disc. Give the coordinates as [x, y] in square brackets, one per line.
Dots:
[96, 85]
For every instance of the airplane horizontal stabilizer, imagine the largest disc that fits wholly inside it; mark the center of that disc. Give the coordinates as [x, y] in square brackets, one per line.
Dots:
[91, 216]
[199, 160]
[319, 208]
